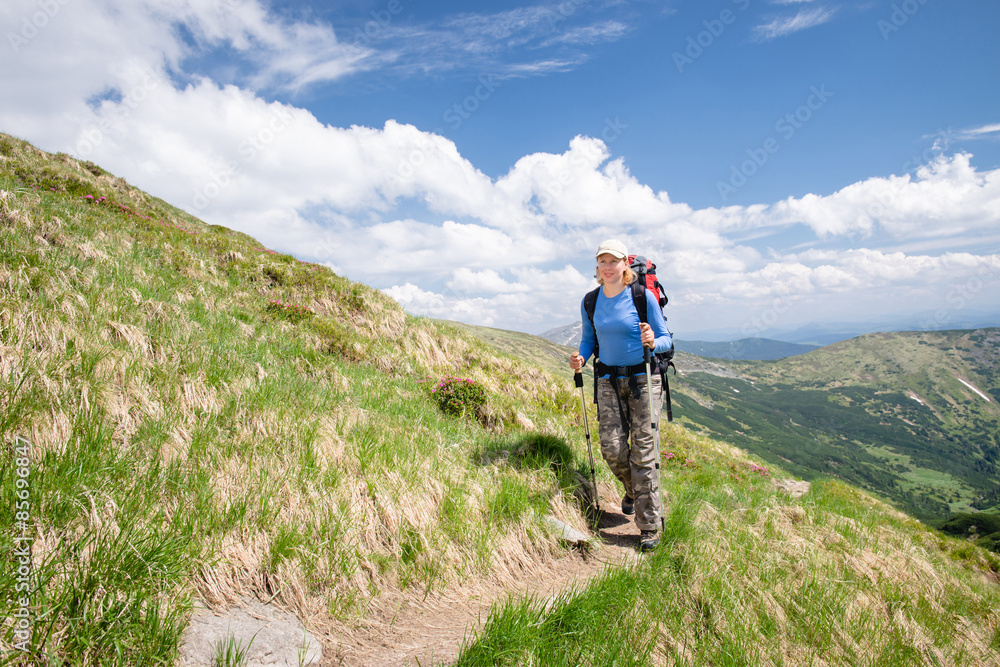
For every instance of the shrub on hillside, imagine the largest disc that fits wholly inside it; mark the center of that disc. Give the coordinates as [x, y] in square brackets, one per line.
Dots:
[338, 338]
[459, 396]
[7, 146]
[983, 528]
[990, 542]
[292, 312]
[965, 524]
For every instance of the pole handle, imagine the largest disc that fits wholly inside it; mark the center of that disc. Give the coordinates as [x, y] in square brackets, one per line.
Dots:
[578, 379]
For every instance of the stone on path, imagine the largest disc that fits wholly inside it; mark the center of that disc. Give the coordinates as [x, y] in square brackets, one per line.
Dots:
[275, 637]
[568, 533]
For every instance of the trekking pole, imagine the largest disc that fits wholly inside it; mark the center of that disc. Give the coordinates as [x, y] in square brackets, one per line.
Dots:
[654, 422]
[578, 378]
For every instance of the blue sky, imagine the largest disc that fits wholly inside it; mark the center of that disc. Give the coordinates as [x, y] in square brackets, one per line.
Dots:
[783, 161]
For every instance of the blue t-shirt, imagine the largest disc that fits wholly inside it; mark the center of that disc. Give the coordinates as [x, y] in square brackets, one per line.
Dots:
[617, 329]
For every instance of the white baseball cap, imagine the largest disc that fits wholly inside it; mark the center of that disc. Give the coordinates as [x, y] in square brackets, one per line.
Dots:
[612, 247]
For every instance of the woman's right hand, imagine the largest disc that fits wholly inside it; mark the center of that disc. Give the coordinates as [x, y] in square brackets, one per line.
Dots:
[576, 361]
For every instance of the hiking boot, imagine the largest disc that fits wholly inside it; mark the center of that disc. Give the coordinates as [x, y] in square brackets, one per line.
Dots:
[628, 506]
[648, 540]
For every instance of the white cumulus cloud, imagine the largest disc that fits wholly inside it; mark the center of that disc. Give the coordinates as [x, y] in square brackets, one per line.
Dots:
[401, 209]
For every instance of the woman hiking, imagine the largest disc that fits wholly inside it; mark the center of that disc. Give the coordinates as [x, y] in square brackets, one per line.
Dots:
[616, 339]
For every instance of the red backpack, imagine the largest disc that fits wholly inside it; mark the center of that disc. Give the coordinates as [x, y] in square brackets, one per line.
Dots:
[646, 271]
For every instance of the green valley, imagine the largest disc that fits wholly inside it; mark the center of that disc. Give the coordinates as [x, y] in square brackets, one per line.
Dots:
[910, 416]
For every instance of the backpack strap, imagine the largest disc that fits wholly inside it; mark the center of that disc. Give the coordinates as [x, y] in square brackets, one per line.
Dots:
[639, 299]
[666, 389]
[589, 306]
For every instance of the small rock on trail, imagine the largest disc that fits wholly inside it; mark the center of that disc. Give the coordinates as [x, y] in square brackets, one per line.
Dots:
[275, 638]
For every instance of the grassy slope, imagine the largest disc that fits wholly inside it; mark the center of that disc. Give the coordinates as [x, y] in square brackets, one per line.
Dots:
[747, 576]
[537, 351]
[885, 411]
[194, 431]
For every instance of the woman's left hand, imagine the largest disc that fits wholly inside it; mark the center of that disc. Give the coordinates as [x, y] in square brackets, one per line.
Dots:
[646, 335]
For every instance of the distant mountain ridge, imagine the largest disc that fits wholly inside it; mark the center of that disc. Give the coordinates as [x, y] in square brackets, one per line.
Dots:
[759, 349]
[815, 334]
[564, 335]
[826, 333]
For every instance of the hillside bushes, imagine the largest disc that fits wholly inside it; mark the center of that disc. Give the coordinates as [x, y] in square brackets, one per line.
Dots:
[983, 529]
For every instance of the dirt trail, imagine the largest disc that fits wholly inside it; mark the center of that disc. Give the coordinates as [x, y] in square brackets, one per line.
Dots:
[407, 632]
[404, 631]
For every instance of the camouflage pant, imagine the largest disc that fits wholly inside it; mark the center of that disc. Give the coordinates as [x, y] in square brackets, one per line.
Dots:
[635, 466]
